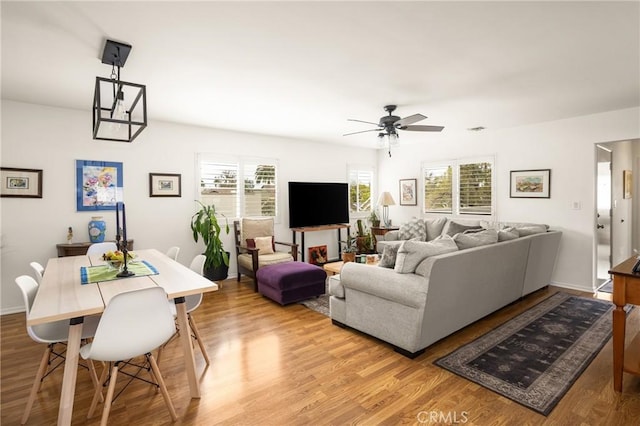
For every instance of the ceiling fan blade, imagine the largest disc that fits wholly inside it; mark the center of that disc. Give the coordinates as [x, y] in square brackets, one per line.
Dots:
[363, 131]
[360, 121]
[423, 128]
[410, 120]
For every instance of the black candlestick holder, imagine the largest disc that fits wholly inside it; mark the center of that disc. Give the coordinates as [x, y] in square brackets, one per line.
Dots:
[125, 273]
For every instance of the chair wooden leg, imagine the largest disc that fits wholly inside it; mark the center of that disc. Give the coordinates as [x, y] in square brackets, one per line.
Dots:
[94, 377]
[163, 387]
[98, 393]
[36, 383]
[110, 391]
[196, 332]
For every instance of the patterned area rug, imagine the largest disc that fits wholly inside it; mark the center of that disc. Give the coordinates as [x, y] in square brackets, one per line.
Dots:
[535, 358]
[319, 304]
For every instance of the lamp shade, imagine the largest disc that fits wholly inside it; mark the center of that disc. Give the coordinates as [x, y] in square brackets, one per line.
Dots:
[386, 199]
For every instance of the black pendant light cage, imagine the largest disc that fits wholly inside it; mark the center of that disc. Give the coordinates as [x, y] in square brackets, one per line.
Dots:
[119, 107]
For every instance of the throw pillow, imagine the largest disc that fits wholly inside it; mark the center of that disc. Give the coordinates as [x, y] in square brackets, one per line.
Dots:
[411, 253]
[414, 228]
[532, 229]
[434, 227]
[251, 243]
[455, 228]
[476, 239]
[389, 254]
[265, 245]
[507, 234]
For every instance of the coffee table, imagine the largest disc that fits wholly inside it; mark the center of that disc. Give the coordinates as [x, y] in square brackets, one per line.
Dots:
[334, 268]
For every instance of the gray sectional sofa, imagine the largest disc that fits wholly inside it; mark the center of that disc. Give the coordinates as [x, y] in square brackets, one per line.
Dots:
[427, 296]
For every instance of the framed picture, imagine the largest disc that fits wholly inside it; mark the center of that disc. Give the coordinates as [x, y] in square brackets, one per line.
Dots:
[165, 185]
[98, 185]
[318, 255]
[531, 183]
[627, 184]
[408, 196]
[23, 183]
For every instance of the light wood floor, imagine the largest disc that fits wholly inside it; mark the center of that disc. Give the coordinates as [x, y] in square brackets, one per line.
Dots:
[274, 365]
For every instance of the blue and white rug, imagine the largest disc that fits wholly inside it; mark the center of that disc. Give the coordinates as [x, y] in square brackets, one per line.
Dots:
[535, 358]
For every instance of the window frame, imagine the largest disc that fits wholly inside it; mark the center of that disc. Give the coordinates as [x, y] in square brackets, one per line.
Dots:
[363, 168]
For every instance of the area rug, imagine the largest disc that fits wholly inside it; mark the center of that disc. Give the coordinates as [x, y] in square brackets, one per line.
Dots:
[319, 304]
[535, 358]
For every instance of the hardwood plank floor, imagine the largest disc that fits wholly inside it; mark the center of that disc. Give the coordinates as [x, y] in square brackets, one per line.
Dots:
[273, 365]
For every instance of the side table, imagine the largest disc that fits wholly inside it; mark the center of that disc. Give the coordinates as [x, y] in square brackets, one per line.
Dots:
[381, 230]
[80, 249]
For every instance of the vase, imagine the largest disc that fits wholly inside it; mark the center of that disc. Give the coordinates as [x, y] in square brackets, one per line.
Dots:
[97, 229]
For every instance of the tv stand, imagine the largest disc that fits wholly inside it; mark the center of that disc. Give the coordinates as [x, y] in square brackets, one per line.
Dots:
[304, 229]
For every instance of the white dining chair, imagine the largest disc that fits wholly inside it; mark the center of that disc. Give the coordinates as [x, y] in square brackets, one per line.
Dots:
[50, 333]
[192, 302]
[133, 324]
[38, 269]
[173, 252]
[101, 248]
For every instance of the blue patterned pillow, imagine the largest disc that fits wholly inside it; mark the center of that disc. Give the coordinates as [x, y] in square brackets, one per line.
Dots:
[413, 229]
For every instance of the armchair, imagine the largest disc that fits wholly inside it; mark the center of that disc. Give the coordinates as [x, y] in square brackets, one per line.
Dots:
[255, 247]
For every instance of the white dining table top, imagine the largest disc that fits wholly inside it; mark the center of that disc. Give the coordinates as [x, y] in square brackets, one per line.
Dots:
[61, 295]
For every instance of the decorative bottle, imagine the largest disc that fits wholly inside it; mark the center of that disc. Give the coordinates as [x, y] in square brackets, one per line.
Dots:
[97, 229]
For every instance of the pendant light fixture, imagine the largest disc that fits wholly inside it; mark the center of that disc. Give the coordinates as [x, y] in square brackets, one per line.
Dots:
[119, 107]
[388, 138]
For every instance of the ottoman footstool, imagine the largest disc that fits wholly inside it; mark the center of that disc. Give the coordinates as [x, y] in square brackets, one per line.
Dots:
[291, 282]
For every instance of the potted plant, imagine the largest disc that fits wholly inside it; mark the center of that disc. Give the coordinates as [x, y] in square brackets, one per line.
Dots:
[204, 224]
[364, 240]
[374, 219]
[349, 250]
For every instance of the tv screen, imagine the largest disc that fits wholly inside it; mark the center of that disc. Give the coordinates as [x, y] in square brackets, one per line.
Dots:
[318, 203]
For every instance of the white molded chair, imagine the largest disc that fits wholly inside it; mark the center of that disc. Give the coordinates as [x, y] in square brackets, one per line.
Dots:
[101, 248]
[192, 302]
[133, 324]
[51, 334]
[173, 252]
[39, 271]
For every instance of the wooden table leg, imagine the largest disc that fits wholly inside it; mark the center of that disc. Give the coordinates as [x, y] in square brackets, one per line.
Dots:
[70, 372]
[187, 348]
[619, 320]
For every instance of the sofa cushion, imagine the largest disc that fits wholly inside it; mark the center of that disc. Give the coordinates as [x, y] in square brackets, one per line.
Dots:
[389, 255]
[508, 233]
[531, 229]
[434, 227]
[414, 228]
[476, 239]
[455, 228]
[411, 253]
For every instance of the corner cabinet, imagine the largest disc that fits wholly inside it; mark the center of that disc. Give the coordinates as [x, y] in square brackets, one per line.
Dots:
[304, 229]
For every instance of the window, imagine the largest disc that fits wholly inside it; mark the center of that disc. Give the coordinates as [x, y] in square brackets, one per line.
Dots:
[360, 188]
[239, 187]
[459, 187]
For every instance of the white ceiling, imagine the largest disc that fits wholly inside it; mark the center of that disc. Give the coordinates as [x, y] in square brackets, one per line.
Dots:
[301, 69]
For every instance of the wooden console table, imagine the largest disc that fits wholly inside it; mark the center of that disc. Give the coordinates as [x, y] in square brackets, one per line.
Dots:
[626, 289]
[80, 249]
[304, 229]
[381, 230]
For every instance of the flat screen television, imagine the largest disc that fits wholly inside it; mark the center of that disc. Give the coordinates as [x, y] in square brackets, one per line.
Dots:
[318, 203]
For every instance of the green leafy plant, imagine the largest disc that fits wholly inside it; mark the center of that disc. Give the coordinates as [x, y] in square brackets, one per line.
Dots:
[204, 224]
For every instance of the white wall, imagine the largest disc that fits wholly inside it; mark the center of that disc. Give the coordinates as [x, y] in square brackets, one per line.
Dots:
[51, 139]
[566, 147]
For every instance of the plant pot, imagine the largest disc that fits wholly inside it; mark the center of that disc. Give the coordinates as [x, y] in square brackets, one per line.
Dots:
[217, 273]
[375, 223]
[348, 257]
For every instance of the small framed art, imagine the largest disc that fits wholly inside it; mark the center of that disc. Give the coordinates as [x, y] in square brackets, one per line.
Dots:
[318, 255]
[627, 184]
[531, 183]
[408, 195]
[22, 183]
[165, 185]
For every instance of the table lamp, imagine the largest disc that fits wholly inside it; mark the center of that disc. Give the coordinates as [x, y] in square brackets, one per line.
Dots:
[385, 200]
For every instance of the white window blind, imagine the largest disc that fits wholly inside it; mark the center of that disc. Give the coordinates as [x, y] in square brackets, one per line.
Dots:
[438, 189]
[360, 188]
[219, 186]
[259, 189]
[475, 188]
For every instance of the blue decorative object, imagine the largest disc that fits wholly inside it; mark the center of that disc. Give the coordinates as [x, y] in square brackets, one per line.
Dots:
[97, 229]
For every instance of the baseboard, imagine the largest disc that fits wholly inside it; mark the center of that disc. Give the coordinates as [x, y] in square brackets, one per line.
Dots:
[572, 286]
[13, 310]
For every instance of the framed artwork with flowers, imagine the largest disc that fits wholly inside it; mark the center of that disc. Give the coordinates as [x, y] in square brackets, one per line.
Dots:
[98, 185]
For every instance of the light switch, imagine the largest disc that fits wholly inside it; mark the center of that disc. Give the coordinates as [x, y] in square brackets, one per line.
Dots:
[576, 205]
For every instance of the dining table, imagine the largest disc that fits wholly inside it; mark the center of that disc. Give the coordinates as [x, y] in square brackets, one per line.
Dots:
[63, 296]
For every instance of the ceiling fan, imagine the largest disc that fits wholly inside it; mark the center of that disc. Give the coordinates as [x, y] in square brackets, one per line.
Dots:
[389, 124]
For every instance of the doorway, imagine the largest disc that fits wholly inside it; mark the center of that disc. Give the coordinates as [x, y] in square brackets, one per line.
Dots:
[603, 215]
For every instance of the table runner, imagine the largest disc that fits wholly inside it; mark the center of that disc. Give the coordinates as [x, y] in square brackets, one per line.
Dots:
[94, 274]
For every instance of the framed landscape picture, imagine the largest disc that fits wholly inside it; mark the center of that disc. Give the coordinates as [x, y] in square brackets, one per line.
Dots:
[408, 192]
[21, 183]
[165, 185]
[531, 183]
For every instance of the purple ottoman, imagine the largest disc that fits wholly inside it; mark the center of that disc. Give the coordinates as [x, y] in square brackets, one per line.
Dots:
[291, 282]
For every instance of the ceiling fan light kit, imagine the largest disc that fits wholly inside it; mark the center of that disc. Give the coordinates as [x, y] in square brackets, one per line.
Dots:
[119, 107]
[389, 124]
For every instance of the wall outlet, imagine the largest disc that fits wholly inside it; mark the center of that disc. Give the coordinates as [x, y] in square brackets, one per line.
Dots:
[575, 205]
